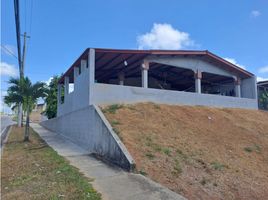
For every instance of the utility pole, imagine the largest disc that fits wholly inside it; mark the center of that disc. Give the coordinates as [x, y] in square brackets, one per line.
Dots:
[21, 61]
[17, 23]
[23, 54]
[20, 111]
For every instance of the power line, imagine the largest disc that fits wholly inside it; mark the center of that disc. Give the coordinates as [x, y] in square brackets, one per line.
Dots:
[30, 26]
[31, 15]
[10, 52]
[17, 22]
[25, 14]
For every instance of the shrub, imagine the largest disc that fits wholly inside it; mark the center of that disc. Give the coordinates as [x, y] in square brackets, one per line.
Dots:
[218, 166]
[167, 151]
[113, 108]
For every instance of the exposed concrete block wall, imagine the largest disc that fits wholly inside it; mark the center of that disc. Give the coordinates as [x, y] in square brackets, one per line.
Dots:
[79, 98]
[111, 94]
[89, 128]
[68, 104]
[249, 88]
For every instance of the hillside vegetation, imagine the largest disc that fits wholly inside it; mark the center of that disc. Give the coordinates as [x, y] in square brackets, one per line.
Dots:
[199, 152]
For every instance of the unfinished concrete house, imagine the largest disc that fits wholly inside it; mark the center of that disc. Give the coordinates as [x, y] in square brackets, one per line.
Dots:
[111, 76]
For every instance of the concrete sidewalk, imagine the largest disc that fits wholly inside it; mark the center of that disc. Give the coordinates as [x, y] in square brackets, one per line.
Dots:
[112, 182]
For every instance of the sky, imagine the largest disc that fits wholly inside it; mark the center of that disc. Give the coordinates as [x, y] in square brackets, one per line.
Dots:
[61, 30]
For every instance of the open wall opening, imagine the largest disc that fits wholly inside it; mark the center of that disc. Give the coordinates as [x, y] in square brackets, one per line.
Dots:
[217, 84]
[170, 78]
[119, 69]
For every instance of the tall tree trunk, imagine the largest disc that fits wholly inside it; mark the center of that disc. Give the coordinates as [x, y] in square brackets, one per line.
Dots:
[20, 116]
[27, 126]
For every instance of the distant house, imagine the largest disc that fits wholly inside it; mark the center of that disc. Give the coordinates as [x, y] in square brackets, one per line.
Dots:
[112, 76]
[262, 90]
[40, 107]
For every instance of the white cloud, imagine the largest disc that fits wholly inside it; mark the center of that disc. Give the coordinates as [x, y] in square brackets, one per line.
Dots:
[48, 81]
[261, 79]
[233, 61]
[263, 69]
[255, 13]
[164, 36]
[8, 49]
[8, 69]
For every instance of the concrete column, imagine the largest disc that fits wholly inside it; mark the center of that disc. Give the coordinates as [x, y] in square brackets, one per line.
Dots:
[91, 71]
[238, 87]
[76, 73]
[121, 78]
[66, 86]
[144, 74]
[59, 94]
[198, 77]
[83, 65]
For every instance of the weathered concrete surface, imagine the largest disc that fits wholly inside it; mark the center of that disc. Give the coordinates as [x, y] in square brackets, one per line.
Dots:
[89, 129]
[114, 94]
[113, 183]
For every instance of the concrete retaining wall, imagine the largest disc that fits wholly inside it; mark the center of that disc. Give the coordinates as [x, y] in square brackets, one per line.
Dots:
[89, 128]
[111, 94]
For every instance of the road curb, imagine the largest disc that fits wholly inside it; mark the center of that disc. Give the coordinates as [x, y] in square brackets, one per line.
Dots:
[4, 135]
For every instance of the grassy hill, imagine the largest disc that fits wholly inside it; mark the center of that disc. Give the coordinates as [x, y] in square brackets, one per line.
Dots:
[199, 152]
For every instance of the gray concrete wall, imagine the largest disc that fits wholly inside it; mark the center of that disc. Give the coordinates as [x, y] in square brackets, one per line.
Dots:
[249, 88]
[89, 128]
[112, 94]
[79, 97]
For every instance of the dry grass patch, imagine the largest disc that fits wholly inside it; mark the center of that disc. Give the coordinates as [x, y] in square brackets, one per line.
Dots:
[199, 152]
[35, 171]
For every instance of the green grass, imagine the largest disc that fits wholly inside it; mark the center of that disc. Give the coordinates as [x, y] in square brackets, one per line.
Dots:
[150, 155]
[149, 142]
[166, 151]
[142, 172]
[248, 149]
[112, 108]
[115, 122]
[218, 166]
[177, 168]
[118, 134]
[253, 148]
[33, 170]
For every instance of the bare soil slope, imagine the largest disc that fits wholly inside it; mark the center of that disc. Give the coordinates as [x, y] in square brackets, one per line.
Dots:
[199, 152]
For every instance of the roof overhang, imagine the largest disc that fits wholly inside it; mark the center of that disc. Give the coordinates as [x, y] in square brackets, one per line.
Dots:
[111, 58]
[263, 83]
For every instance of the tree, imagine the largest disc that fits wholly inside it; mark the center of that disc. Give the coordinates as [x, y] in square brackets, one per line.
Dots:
[23, 91]
[51, 99]
[263, 99]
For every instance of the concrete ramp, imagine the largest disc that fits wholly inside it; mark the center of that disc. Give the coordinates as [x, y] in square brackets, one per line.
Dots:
[113, 183]
[89, 129]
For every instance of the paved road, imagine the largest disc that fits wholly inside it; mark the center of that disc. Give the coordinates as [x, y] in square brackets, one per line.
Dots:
[5, 121]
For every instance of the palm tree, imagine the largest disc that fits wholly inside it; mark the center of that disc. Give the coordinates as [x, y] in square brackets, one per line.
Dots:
[23, 91]
[14, 97]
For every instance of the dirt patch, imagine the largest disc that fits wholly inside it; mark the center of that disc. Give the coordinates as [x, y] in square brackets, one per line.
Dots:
[33, 170]
[199, 152]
